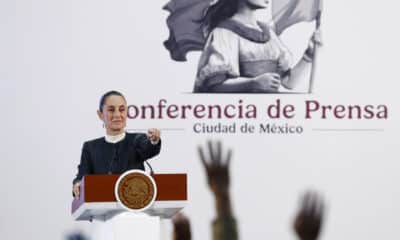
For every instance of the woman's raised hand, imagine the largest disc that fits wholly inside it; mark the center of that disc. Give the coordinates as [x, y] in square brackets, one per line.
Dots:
[153, 134]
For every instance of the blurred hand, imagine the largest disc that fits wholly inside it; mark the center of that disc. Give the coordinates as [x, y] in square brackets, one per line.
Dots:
[267, 82]
[308, 222]
[76, 189]
[181, 227]
[217, 167]
[153, 134]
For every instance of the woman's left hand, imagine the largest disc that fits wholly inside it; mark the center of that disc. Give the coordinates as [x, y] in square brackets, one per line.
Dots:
[317, 37]
[153, 134]
[315, 40]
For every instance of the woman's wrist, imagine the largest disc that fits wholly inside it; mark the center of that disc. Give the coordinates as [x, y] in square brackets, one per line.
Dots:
[236, 85]
[254, 85]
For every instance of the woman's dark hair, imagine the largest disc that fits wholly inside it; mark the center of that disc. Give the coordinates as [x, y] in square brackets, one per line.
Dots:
[217, 13]
[106, 95]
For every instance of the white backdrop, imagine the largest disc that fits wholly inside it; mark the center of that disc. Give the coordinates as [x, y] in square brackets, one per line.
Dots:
[58, 57]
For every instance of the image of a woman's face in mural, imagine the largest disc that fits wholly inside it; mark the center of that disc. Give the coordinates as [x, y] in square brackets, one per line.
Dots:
[242, 54]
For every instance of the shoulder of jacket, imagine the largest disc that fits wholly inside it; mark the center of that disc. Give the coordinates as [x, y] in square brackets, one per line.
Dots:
[94, 141]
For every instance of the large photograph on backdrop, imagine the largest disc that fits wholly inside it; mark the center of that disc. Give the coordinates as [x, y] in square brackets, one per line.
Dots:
[241, 52]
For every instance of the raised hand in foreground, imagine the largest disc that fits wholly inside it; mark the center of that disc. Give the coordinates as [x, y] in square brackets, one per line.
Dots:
[217, 167]
[181, 227]
[309, 219]
[217, 170]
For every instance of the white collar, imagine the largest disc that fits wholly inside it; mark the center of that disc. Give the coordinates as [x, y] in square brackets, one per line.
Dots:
[116, 138]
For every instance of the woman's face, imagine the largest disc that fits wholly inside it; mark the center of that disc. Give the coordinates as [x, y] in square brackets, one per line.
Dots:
[114, 114]
[258, 3]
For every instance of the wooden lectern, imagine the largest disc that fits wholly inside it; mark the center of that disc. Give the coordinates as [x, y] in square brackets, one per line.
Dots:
[98, 202]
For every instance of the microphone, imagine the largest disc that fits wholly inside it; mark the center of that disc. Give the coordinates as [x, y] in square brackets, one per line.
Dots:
[151, 169]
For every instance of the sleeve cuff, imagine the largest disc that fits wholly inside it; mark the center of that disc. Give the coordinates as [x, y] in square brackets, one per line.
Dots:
[225, 228]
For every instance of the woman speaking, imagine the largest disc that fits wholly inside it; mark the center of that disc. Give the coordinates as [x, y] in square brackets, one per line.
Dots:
[118, 151]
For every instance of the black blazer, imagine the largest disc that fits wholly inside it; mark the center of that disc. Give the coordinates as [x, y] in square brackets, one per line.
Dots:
[101, 157]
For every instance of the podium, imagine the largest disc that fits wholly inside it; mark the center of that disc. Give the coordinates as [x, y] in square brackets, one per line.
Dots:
[97, 199]
[97, 202]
